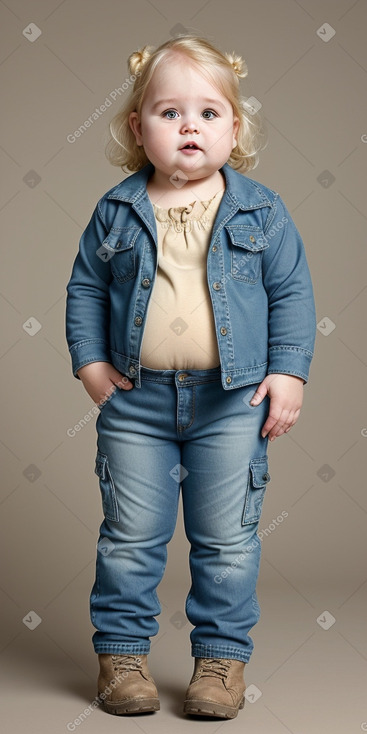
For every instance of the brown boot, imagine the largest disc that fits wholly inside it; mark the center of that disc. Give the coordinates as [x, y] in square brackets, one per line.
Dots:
[125, 685]
[216, 688]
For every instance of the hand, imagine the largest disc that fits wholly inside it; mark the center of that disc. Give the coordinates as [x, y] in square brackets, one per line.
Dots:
[286, 396]
[101, 379]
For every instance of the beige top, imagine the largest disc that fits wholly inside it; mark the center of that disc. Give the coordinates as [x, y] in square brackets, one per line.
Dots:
[180, 331]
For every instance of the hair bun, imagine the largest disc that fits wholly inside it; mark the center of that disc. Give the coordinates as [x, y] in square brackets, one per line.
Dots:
[238, 64]
[138, 59]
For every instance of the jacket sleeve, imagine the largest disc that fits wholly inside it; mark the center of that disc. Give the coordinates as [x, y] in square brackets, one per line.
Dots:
[88, 301]
[291, 306]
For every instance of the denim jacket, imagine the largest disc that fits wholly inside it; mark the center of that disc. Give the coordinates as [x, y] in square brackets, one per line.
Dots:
[257, 274]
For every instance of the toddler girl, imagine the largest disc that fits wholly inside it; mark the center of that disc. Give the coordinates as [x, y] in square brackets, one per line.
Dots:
[191, 323]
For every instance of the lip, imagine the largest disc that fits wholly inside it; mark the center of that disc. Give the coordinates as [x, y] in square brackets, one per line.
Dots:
[190, 150]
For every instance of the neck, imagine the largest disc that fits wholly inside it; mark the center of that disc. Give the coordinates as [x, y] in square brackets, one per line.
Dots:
[164, 193]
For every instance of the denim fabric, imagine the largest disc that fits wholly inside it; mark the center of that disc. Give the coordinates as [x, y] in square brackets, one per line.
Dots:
[257, 273]
[179, 431]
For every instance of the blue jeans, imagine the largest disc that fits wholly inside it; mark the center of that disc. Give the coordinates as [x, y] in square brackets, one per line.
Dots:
[180, 430]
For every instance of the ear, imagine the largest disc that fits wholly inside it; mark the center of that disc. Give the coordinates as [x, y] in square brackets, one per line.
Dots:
[135, 125]
[236, 126]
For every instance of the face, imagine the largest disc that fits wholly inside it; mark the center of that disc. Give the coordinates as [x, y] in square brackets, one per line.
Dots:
[180, 109]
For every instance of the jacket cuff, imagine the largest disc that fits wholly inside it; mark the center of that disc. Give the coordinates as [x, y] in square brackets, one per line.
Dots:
[89, 350]
[290, 360]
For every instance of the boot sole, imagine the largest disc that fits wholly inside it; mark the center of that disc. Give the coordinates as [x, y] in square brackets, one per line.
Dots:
[134, 706]
[210, 708]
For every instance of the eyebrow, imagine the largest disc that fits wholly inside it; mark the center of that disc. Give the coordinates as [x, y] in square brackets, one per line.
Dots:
[163, 102]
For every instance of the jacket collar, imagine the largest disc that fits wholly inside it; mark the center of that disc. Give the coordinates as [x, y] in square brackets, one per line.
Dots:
[243, 192]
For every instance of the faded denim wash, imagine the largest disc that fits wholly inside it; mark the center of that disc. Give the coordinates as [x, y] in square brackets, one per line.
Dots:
[257, 273]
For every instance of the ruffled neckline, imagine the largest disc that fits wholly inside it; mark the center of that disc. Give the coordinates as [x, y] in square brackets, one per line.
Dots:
[195, 210]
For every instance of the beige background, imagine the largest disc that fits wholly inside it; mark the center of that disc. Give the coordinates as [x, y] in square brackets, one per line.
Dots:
[313, 96]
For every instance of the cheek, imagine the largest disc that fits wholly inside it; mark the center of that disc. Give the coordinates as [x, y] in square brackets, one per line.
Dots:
[152, 133]
[222, 139]
[161, 135]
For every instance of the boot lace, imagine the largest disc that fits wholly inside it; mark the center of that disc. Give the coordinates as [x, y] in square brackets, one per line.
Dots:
[215, 667]
[126, 662]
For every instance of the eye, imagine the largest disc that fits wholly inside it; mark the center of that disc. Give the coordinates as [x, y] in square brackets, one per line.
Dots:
[209, 114]
[170, 114]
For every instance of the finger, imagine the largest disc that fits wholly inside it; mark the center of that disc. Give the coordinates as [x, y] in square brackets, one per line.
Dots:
[294, 420]
[259, 395]
[279, 426]
[285, 424]
[274, 417]
[268, 426]
[124, 383]
[107, 394]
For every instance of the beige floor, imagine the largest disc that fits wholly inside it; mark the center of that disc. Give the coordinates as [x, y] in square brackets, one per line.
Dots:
[312, 680]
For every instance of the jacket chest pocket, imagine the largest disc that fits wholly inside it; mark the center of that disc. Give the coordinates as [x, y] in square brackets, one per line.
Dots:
[120, 251]
[247, 247]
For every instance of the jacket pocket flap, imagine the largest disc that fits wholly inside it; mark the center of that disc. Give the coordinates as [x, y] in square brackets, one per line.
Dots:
[259, 471]
[100, 467]
[248, 238]
[121, 239]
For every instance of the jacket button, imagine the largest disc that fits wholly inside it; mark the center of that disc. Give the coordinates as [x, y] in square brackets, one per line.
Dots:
[266, 477]
[228, 380]
[132, 370]
[223, 330]
[138, 321]
[118, 245]
[145, 282]
[214, 248]
[252, 238]
[217, 286]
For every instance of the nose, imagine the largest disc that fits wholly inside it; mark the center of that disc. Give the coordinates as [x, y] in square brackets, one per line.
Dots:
[190, 127]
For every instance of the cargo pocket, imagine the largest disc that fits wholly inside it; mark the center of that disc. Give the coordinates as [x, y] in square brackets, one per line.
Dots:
[257, 481]
[107, 487]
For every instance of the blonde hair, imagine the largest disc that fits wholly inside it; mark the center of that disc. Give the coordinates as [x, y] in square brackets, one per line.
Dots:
[224, 70]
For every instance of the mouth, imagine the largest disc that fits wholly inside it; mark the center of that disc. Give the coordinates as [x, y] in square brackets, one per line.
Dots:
[190, 146]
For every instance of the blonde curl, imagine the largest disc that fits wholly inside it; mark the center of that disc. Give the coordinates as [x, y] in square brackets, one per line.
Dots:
[138, 59]
[238, 64]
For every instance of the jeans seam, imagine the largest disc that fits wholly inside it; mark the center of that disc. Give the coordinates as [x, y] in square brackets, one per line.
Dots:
[181, 428]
